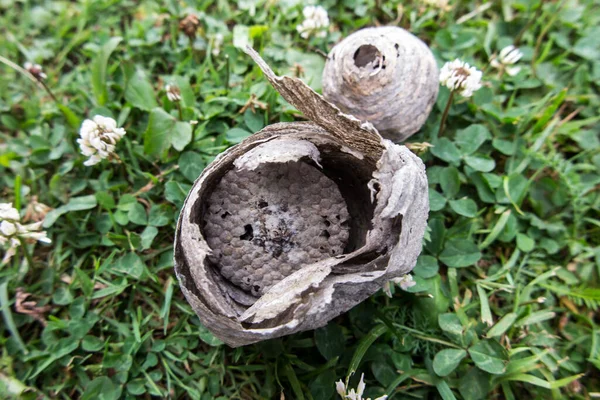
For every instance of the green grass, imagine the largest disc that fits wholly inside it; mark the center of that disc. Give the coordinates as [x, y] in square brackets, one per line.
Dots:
[514, 184]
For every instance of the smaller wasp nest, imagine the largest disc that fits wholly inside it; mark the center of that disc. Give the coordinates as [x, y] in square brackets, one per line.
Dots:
[385, 76]
[267, 223]
[299, 222]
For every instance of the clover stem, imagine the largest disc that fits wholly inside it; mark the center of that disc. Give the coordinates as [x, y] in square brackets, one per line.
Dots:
[58, 103]
[192, 52]
[227, 77]
[179, 109]
[174, 29]
[26, 252]
[445, 114]
[17, 190]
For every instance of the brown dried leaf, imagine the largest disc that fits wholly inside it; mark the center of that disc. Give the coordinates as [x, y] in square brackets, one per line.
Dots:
[22, 306]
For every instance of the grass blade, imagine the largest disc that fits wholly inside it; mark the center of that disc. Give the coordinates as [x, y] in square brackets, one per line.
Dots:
[496, 231]
[533, 380]
[396, 382]
[8, 319]
[363, 346]
[502, 326]
[164, 314]
[100, 69]
[445, 391]
[486, 313]
[536, 317]
[294, 382]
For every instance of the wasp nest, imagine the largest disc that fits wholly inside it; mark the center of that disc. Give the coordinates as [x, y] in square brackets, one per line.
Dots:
[386, 76]
[298, 223]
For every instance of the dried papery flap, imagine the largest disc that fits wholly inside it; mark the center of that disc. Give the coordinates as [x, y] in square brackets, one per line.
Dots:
[278, 151]
[406, 193]
[358, 135]
[370, 224]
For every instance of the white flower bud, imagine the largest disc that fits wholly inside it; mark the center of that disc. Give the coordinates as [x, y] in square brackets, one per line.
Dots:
[508, 56]
[35, 70]
[340, 388]
[98, 137]
[315, 22]
[173, 93]
[461, 77]
[12, 231]
[405, 281]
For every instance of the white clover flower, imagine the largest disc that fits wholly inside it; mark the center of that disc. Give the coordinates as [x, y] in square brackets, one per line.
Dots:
[508, 56]
[340, 387]
[217, 42]
[35, 70]
[98, 138]
[405, 281]
[12, 231]
[315, 22]
[461, 77]
[173, 92]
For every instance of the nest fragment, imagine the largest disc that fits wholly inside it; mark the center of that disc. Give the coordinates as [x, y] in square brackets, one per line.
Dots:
[385, 76]
[299, 222]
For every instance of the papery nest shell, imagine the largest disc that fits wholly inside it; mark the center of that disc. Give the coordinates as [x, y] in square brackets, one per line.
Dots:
[386, 76]
[385, 189]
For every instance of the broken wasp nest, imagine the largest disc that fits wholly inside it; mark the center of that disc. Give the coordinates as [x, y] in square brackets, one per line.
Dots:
[386, 76]
[299, 222]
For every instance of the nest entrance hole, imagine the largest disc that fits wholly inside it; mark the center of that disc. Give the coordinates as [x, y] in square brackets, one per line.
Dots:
[367, 54]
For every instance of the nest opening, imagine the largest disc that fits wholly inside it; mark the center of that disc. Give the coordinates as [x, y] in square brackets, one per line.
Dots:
[367, 54]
